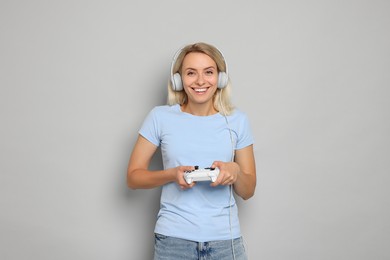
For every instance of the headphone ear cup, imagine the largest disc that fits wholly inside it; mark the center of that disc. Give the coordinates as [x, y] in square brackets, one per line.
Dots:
[177, 84]
[223, 79]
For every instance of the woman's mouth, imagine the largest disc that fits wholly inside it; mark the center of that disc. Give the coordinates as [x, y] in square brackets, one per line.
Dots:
[200, 90]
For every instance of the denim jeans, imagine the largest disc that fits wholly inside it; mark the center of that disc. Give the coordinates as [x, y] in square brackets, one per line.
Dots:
[170, 248]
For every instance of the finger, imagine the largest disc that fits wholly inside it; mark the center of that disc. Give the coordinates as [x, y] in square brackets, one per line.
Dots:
[229, 180]
[187, 186]
[228, 183]
[216, 164]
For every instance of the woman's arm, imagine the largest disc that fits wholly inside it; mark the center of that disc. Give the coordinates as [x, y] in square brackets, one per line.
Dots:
[138, 175]
[241, 173]
[246, 180]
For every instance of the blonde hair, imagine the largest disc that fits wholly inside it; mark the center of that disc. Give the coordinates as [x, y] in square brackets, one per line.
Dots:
[222, 101]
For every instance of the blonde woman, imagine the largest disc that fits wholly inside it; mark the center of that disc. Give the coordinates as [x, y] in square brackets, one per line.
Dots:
[198, 127]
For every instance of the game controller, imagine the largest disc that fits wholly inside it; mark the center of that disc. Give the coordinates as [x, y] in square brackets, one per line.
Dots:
[206, 174]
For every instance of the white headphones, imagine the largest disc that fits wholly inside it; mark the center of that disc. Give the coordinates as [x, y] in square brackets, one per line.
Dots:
[177, 83]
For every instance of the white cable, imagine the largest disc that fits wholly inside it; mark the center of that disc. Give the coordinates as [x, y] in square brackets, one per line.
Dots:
[230, 220]
[231, 186]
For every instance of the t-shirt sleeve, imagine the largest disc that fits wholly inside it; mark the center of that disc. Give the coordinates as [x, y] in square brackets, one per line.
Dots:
[150, 128]
[244, 133]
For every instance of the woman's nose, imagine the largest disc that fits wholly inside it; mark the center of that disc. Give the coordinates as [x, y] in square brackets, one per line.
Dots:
[200, 79]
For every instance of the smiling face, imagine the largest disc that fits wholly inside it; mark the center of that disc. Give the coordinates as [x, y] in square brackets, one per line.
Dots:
[200, 78]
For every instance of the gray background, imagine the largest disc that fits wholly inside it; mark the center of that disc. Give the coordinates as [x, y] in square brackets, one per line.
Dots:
[78, 77]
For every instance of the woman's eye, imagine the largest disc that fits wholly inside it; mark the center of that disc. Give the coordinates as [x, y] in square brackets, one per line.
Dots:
[209, 72]
[190, 73]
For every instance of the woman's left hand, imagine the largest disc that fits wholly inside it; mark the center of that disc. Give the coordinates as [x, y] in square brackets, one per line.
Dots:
[228, 172]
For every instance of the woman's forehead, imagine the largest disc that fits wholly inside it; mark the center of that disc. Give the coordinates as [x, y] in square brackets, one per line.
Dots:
[198, 60]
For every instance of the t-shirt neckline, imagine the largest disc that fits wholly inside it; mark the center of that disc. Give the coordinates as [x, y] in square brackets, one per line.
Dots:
[178, 108]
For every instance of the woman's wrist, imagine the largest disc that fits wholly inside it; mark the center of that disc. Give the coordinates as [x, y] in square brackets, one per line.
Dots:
[171, 174]
[236, 168]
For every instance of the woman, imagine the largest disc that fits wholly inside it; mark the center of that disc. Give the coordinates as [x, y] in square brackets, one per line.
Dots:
[199, 126]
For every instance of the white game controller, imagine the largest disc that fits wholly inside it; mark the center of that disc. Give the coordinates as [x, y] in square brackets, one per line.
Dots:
[206, 174]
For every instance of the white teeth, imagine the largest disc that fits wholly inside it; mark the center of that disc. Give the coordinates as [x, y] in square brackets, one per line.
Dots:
[200, 89]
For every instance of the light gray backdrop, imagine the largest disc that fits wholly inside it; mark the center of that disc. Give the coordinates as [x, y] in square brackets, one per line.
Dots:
[78, 77]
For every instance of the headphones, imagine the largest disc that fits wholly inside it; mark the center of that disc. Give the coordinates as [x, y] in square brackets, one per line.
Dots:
[177, 83]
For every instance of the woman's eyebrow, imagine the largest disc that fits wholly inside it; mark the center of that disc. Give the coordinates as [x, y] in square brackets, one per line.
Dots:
[190, 68]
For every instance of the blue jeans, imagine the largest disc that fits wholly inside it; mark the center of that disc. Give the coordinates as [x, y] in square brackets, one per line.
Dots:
[170, 248]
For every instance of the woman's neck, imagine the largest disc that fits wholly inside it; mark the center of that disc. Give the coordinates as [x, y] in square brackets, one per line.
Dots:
[199, 109]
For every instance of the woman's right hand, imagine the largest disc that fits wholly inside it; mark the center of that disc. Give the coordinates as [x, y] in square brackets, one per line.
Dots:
[178, 173]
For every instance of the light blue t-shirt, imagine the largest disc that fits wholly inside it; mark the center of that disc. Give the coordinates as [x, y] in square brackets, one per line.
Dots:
[202, 212]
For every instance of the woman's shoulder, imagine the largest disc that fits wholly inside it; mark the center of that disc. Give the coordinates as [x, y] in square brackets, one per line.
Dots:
[237, 113]
[164, 109]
